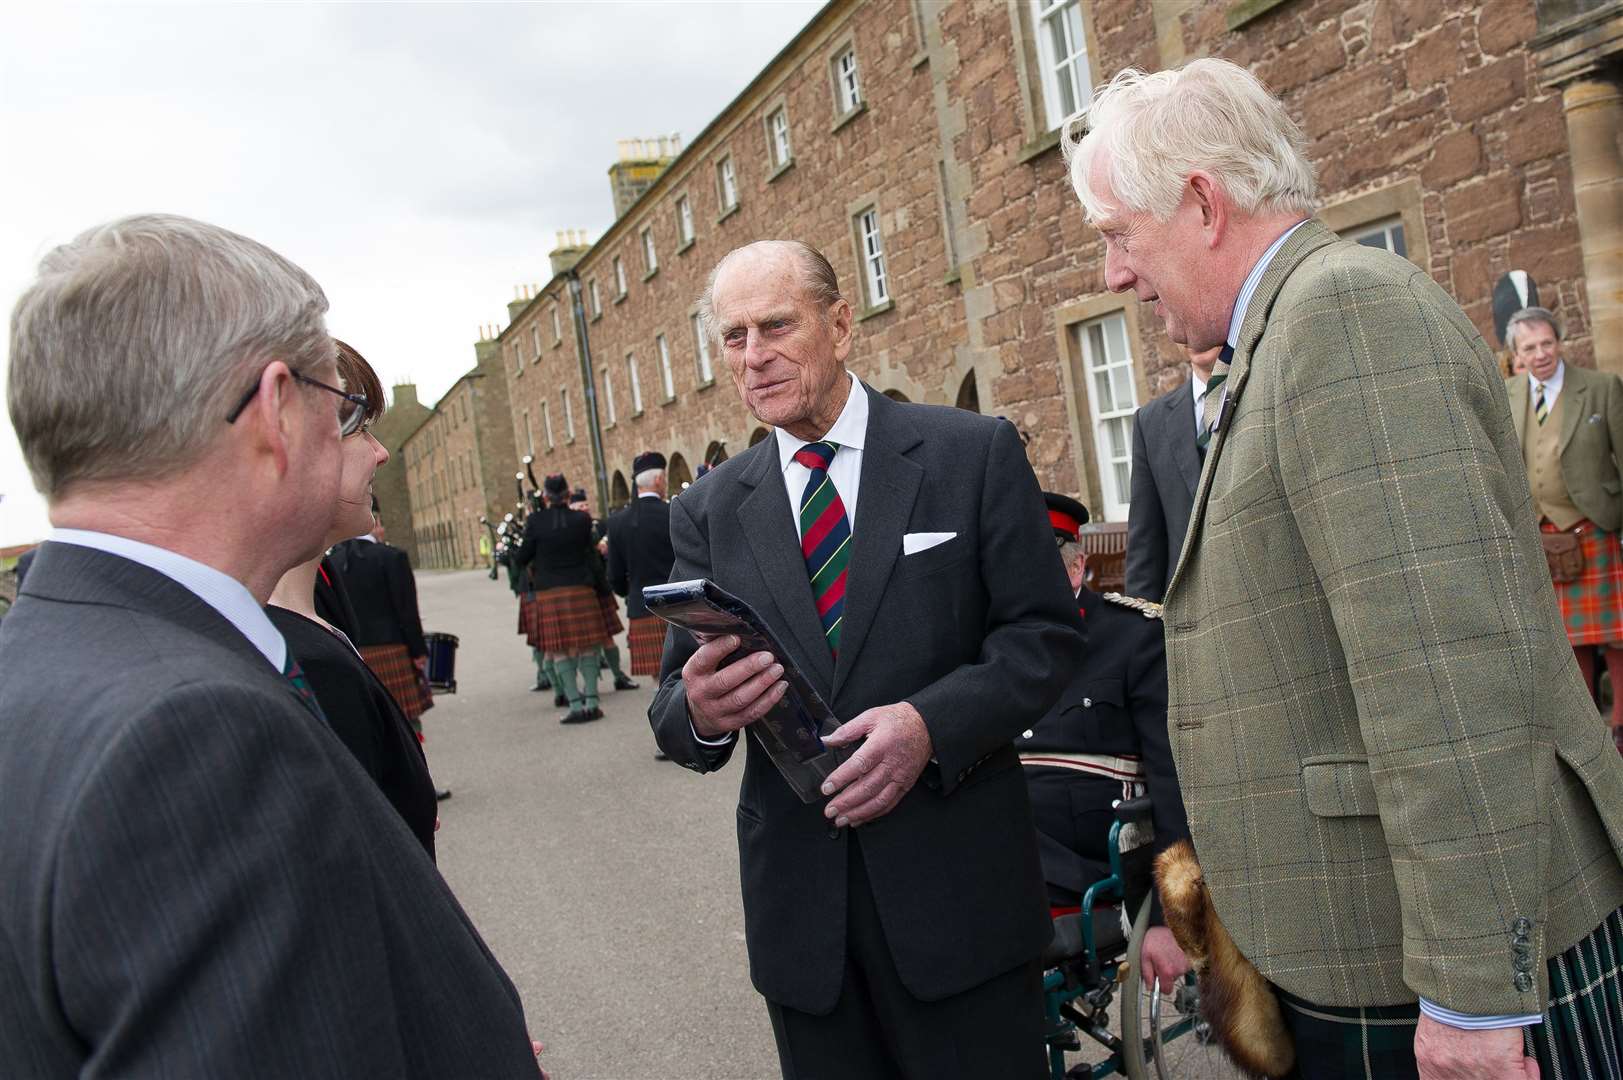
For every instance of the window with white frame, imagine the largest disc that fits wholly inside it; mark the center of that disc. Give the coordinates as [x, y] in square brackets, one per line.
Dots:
[518, 358]
[701, 346]
[1062, 51]
[777, 136]
[535, 342]
[873, 257]
[557, 327]
[1107, 364]
[1387, 234]
[529, 435]
[546, 423]
[619, 277]
[608, 392]
[666, 377]
[650, 262]
[635, 382]
[726, 183]
[847, 90]
[684, 220]
[569, 413]
[597, 300]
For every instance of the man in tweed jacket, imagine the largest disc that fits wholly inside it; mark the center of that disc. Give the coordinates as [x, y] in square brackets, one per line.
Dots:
[1394, 778]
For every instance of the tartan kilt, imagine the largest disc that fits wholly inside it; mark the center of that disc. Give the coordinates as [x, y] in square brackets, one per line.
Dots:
[529, 620]
[647, 642]
[611, 613]
[1579, 1038]
[1592, 606]
[394, 669]
[571, 620]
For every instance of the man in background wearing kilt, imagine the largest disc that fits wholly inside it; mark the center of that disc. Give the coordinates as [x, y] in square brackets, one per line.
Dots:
[557, 548]
[608, 655]
[640, 554]
[388, 627]
[1570, 424]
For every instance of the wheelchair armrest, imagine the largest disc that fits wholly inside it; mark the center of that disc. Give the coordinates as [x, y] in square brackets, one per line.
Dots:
[1134, 811]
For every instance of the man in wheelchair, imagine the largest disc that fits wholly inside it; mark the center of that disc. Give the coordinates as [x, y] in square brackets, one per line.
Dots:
[1103, 742]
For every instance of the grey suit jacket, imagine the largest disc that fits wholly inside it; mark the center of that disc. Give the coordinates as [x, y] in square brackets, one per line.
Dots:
[979, 633]
[1591, 439]
[1391, 766]
[1166, 468]
[197, 879]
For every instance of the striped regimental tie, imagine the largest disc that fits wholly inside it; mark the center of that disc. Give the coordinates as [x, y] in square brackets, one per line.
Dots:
[1211, 399]
[295, 675]
[1541, 405]
[825, 539]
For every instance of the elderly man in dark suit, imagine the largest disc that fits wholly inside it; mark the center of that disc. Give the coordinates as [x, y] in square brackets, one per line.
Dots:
[894, 929]
[1169, 441]
[198, 879]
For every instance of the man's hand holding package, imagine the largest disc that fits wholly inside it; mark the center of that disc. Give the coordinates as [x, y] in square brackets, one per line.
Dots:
[721, 700]
[895, 748]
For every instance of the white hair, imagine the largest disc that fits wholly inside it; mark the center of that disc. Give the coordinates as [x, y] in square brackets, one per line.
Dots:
[647, 479]
[137, 339]
[1530, 315]
[1211, 115]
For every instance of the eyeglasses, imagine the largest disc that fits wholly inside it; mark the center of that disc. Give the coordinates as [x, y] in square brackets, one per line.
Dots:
[351, 418]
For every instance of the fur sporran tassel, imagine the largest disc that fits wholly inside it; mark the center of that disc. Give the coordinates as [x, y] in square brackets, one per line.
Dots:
[1234, 997]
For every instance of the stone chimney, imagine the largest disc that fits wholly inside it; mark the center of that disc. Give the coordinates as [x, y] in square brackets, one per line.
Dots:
[641, 162]
[522, 295]
[404, 396]
[571, 245]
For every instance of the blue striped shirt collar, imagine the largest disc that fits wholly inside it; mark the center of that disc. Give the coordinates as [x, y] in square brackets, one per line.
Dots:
[1252, 280]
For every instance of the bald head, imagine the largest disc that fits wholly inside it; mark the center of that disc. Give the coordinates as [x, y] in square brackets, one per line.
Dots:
[813, 273]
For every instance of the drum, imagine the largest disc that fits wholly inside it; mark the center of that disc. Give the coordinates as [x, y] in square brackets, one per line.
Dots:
[441, 661]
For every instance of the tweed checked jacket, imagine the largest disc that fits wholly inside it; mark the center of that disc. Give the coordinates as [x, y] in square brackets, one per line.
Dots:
[1591, 439]
[1388, 757]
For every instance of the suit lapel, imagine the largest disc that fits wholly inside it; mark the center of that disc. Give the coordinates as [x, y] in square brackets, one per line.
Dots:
[1518, 406]
[1574, 407]
[1307, 239]
[1185, 454]
[890, 484]
[766, 518]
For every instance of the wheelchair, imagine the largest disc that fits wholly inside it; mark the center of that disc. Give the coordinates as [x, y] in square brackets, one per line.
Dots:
[1093, 961]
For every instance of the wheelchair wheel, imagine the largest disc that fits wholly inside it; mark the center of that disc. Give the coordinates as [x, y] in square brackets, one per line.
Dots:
[1163, 1036]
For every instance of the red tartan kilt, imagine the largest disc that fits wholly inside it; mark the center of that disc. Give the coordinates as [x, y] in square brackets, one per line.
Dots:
[647, 641]
[571, 620]
[611, 613]
[1592, 606]
[529, 621]
[394, 669]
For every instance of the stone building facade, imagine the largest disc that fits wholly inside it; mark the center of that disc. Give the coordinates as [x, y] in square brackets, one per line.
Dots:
[459, 466]
[404, 415]
[917, 145]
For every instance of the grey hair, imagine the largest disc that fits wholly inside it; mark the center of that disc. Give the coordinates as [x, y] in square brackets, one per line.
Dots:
[1211, 115]
[646, 479]
[817, 278]
[1531, 315]
[138, 336]
[1069, 551]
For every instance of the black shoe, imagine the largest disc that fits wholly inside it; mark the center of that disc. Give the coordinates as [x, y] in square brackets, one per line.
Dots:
[560, 700]
[597, 713]
[660, 755]
[441, 794]
[579, 716]
[542, 683]
[622, 682]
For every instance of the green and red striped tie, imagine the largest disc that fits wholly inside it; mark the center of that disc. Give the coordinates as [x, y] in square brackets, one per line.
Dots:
[825, 539]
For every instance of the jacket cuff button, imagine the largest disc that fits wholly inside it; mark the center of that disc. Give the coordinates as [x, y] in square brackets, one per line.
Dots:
[1523, 981]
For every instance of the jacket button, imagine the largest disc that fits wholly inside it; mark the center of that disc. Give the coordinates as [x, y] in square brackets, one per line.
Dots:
[1087, 703]
[833, 832]
[1523, 981]
[1522, 926]
[1026, 734]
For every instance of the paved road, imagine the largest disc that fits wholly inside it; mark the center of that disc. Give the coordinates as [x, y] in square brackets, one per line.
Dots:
[605, 882]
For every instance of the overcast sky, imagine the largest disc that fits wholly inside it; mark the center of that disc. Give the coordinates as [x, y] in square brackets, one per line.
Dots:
[416, 158]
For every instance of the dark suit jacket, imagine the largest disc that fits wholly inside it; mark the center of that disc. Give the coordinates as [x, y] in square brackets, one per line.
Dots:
[199, 880]
[1166, 468]
[557, 548]
[332, 599]
[977, 633]
[640, 550]
[378, 579]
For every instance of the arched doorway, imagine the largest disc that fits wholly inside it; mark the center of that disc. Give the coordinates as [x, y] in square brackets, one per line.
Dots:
[715, 453]
[896, 395]
[969, 396]
[758, 434]
[619, 492]
[677, 474]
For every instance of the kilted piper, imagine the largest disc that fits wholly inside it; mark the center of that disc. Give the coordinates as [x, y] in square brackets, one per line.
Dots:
[609, 655]
[1570, 424]
[567, 614]
[639, 555]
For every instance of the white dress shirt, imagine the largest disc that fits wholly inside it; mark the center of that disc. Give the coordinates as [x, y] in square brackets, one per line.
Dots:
[1552, 386]
[845, 471]
[1198, 384]
[219, 591]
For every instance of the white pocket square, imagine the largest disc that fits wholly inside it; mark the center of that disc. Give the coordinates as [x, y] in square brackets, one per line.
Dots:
[913, 543]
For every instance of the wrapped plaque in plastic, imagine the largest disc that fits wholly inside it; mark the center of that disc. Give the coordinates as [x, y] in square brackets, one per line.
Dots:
[792, 733]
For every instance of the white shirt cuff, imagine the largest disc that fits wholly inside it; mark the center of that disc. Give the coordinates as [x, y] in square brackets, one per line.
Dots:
[1474, 1023]
[725, 740]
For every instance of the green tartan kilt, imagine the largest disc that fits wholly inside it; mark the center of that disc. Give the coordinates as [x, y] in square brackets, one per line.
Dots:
[1580, 1037]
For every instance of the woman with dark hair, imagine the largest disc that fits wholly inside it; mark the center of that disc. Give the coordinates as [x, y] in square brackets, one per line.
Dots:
[361, 711]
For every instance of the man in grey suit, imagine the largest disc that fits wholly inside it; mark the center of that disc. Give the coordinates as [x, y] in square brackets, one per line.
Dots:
[196, 878]
[1168, 443]
[894, 929]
